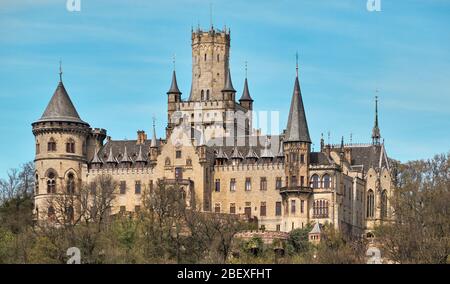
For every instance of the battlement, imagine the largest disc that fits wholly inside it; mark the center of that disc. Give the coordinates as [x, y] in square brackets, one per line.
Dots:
[250, 167]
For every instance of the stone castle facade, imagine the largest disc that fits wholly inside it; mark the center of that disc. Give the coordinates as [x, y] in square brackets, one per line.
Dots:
[218, 159]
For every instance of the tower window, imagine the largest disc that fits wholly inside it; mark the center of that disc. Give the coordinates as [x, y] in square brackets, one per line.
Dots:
[207, 95]
[38, 148]
[293, 209]
[202, 95]
[36, 185]
[205, 56]
[51, 183]
[70, 184]
[51, 212]
[320, 208]
[248, 184]
[51, 145]
[217, 187]
[218, 57]
[70, 146]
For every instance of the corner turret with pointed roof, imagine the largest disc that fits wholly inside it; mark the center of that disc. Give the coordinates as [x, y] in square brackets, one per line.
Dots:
[246, 100]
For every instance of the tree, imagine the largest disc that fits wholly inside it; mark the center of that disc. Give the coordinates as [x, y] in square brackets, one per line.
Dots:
[421, 208]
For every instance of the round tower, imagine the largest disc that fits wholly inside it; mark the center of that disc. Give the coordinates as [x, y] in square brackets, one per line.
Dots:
[61, 152]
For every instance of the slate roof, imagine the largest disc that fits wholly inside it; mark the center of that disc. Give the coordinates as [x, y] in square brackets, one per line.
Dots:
[61, 108]
[368, 156]
[319, 158]
[246, 94]
[228, 83]
[297, 127]
[174, 86]
[117, 148]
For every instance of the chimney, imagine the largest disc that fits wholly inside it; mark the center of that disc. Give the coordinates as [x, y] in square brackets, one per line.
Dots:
[141, 137]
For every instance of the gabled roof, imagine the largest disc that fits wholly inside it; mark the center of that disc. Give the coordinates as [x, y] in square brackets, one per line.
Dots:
[236, 154]
[61, 108]
[316, 229]
[297, 127]
[251, 153]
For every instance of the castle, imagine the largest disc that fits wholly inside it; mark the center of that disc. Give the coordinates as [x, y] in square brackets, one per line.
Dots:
[216, 157]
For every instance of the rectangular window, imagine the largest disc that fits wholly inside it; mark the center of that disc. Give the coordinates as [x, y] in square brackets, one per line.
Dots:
[232, 208]
[248, 184]
[123, 187]
[262, 210]
[278, 183]
[293, 181]
[137, 187]
[248, 211]
[263, 183]
[233, 184]
[217, 208]
[302, 180]
[37, 148]
[278, 208]
[178, 173]
[302, 158]
[302, 206]
[278, 227]
[293, 207]
[178, 154]
[217, 188]
[151, 185]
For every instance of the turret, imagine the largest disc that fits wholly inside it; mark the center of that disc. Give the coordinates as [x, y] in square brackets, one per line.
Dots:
[228, 91]
[173, 99]
[61, 150]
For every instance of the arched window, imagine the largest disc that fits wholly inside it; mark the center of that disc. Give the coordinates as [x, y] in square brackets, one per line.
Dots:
[218, 57]
[326, 181]
[384, 201]
[38, 148]
[36, 185]
[315, 181]
[370, 204]
[205, 56]
[70, 146]
[70, 184]
[202, 95]
[167, 161]
[51, 183]
[207, 95]
[320, 208]
[51, 145]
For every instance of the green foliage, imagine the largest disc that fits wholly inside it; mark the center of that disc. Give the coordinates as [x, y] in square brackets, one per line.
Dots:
[298, 240]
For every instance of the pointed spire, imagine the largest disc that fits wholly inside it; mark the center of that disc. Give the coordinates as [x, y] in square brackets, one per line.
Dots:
[174, 86]
[297, 127]
[60, 71]
[140, 157]
[126, 158]
[96, 159]
[153, 143]
[342, 145]
[228, 84]
[246, 94]
[111, 158]
[376, 130]
[60, 107]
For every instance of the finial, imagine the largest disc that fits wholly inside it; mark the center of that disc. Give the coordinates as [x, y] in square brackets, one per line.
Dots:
[60, 71]
[210, 15]
[246, 69]
[153, 121]
[296, 62]
[329, 135]
[351, 138]
[173, 61]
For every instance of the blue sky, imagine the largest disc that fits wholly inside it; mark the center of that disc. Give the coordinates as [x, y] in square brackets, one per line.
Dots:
[117, 62]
